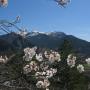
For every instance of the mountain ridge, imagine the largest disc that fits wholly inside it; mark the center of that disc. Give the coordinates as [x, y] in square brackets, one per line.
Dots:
[52, 40]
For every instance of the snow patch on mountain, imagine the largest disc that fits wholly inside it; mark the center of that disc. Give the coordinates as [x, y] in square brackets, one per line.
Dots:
[53, 34]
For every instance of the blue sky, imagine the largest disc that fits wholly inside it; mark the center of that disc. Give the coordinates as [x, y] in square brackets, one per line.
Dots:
[46, 16]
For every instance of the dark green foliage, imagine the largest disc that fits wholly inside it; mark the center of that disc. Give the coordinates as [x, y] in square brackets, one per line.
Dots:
[15, 66]
[69, 78]
[66, 49]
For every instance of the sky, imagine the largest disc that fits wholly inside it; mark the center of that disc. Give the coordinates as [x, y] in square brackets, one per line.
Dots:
[48, 16]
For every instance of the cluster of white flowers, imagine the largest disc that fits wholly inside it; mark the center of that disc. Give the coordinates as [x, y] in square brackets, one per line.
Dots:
[39, 57]
[88, 61]
[50, 73]
[41, 68]
[71, 60]
[52, 56]
[32, 66]
[41, 65]
[46, 74]
[3, 59]
[43, 84]
[3, 3]
[80, 68]
[29, 53]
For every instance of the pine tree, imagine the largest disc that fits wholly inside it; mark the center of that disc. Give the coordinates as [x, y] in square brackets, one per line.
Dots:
[66, 49]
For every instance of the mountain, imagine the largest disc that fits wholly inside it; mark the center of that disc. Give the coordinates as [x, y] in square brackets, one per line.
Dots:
[12, 42]
[47, 40]
[52, 40]
[5, 45]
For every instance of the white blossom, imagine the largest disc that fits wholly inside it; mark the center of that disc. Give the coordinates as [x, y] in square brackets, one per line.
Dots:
[40, 73]
[46, 83]
[46, 54]
[34, 66]
[43, 73]
[80, 68]
[46, 74]
[29, 53]
[3, 59]
[51, 58]
[44, 66]
[71, 60]
[43, 84]
[39, 57]
[40, 84]
[57, 57]
[47, 88]
[88, 61]
[3, 3]
[49, 73]
[37, 74]
[27, 69]
[53, 70]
